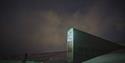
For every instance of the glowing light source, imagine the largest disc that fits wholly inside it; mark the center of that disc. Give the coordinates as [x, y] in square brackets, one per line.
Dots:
[70, 35]
[70, 38]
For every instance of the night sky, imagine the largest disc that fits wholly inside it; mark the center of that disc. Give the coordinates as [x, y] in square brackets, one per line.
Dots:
[36, 26]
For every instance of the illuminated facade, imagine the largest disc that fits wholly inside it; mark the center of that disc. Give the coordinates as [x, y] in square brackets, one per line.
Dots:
[83, 46]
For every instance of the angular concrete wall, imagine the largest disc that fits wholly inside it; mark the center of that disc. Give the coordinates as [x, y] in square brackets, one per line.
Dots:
[83, 46]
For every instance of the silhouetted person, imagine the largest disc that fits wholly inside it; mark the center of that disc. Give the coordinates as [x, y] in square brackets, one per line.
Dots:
[25, 58]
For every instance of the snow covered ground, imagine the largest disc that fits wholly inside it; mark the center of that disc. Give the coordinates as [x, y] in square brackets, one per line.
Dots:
[114, 57]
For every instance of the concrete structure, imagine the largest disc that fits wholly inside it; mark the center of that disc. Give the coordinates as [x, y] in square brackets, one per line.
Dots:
[83, 46]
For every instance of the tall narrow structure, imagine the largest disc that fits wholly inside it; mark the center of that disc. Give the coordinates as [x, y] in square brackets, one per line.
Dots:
[83, 46]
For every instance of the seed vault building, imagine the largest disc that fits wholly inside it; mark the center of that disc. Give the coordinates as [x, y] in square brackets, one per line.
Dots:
[83, 46]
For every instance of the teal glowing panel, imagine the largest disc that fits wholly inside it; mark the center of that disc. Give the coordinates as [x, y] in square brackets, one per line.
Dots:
[70, 38]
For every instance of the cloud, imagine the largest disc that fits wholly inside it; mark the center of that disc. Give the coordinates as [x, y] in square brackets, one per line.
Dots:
[45, 30]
